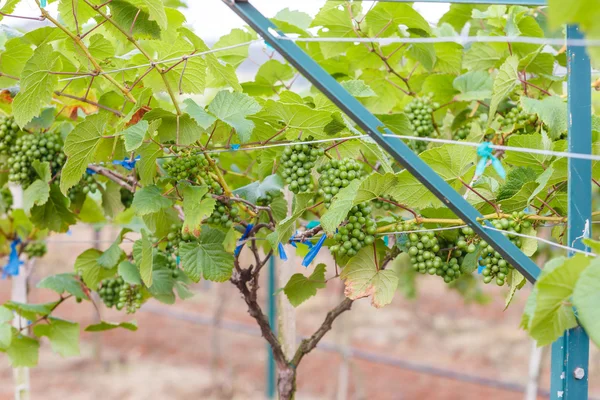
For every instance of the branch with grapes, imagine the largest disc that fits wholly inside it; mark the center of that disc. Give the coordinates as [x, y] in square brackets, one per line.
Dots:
[104, 123]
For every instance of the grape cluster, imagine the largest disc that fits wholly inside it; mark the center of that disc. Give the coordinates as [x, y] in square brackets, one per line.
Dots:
[87, 185]
[172, 265]
[264, 200]
[174, 237]
[35, 249]
[126, 197]
[383, 205]
[357, 233]
[115, 292]
[420, 114]
[462, 132]
[31, 147]
[435, 254]
[495, 268]
[297, 162]
[524, 122]
[9, 130]
[194, 168]
[337, 174]
[224, 215]
[7, 198]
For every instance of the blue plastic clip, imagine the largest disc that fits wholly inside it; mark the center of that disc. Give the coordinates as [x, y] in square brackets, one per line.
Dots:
[282, 254]
[238, 249]
[90, 171]
[127, 163]
[177, 260]
[235, 147]
[14, 264]
[386, 240]
[313, 252]
[43, 3]
[486, 153]
[313, 224]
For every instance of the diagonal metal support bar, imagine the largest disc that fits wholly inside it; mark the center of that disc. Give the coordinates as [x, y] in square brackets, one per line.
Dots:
[570, 353]
[373, 127]
[505, 2]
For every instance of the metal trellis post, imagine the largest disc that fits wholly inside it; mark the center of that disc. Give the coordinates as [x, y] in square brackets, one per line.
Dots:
[570, 353]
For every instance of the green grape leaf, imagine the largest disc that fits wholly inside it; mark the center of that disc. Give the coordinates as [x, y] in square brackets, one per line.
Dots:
[363, 278]
[80, 147]
[519, 200]
[129, 272]
[296, 18]
[586, 297]
[272, 184]
[553, 312]
[441, 86]
[31, 311]
[5, 336]
[92, 272]
[146, 167]
[159, 223]
[384, 18]
[108, 326]
[517, 177]
[5, 315]
[91, 212]
[481, 57]
[551, 110]
[301, 288]
[202, 118]
[196, 208]
[37, 84]
[448, 57]
[233, 109]
[237, 55]
[340, 206]
[43, 170]
[538, 162]
[207, 258]
[134, 135]
[147, 259]
[37, 194]
[113, 255]
[149, 199]
[335, 22]
[504, 83]
[183, 129]
[358, 88]
[61, 283]
[111, 200]
[13, 58]
[273, 72]
[374, 186]
[23, 352]
[134, 20]
[63, 336]
[156, 11]
[54, 214]
[300, 118]
[9, 7]
[101, 48]
[75, 13]
[516, 281]
[474, 85]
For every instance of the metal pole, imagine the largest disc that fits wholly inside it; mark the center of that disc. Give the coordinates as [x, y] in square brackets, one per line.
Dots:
[570, 353]
[323, 81]
[272, 306]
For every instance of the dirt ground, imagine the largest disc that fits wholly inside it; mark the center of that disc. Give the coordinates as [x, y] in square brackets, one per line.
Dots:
[434, 348]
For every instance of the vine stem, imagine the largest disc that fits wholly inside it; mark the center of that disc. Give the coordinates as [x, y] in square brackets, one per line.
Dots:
[86, 51]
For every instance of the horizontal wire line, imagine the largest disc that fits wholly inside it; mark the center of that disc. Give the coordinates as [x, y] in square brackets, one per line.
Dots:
[587, 253]
[443, 39]
[169, 60]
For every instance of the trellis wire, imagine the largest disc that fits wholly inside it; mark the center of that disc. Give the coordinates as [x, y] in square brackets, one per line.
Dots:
[169, 60]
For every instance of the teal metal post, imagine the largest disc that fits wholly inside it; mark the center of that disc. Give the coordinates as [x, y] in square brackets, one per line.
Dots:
[505, 2]
[272, 309]
[374, 128]
[570, 353]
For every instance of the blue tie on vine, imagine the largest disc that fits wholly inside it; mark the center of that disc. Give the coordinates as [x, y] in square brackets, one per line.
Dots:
[43, 3]
[127, 163]
[282, 254]
[486, 153]
[238, 249]
[14, 264]
[313, 252]
[90, 171]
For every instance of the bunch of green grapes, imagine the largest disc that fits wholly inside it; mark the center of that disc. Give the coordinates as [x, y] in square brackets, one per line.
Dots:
[86, 185]
[126, 197]
[264, 200]
[337, 174]
[224, 215]
[297, 162]
[463, 132]
[357, 233]
[175, 237]
[172, 264]
[436, 254]
[384, 205]
[115, 292]
[31, 147]
[524, 123]
[9, 131]
[194, 168]
[35, 249]
[496, 268]
[420, 114]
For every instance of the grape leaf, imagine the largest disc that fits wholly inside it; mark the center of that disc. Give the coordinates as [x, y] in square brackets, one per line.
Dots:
[196, 208]
[92, 272]
[147, 259]
[54, 214]
[358, 88]
[107, 326]
[340, 206]
[37, 84]
[63, 336]
[156, 11]
[202, 118]
[233, 109]
[146, 167]
[504, 83]
[182, 129]
[149, 199]
[363, 278]
[300, 288]
[13, 58]
[551, 110]
[134, 135]
[37, 194]
[474, 85]
[61, 283]
[538, 162]
[23, 352]
[129, 272]
[132, 19]
[586, 297]
[207, 257]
